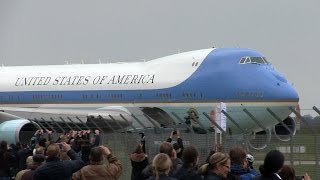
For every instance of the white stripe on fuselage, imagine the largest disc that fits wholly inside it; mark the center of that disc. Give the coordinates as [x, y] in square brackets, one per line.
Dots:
[160, 73]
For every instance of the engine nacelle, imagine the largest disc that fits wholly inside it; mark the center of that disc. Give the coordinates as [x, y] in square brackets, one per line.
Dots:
[259, 140]
[18, 130]
[281, 131]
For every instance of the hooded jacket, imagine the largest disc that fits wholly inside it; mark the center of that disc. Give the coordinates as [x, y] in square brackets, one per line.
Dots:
[139, 161]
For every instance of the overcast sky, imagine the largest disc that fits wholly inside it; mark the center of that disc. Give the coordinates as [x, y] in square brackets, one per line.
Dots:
[287, 32]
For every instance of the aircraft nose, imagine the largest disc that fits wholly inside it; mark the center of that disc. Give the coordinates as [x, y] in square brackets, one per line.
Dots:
[285, 89]
[280, 77]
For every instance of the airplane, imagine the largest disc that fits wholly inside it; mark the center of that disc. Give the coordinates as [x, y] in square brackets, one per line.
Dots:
[160, 92]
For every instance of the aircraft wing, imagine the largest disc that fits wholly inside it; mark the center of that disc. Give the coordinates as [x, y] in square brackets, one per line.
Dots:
[60, 119]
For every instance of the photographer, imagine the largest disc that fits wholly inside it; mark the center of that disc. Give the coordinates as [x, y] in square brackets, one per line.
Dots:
[97, 138]
[139, 160]
[103, 165]
[178, 144]
[54, 168]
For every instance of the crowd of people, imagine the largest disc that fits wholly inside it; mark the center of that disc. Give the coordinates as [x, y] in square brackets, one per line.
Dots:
[74, 155]
[174, 162]
[78, 155]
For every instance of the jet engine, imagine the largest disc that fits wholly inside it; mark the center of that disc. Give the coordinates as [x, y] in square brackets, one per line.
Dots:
[259, 140]
[19, 130]
[282, 133]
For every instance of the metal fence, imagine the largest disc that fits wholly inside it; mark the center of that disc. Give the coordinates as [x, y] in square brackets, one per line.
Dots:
[301, 150]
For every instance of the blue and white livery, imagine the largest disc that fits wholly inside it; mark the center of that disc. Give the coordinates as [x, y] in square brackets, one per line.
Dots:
[196, 80]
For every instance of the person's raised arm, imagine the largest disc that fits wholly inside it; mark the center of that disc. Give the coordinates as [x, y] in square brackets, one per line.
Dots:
[171, 136]
[306, 177]
[115, 165]
[76, 162]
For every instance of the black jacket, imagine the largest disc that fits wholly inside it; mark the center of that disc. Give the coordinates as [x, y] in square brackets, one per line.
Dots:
[270, 177]
[187, 172]
[55, 169]
[6, 161]
[176, 165]
[213, 176]
[163, 177]
[22, 157]
[139, 161]
[180, 145]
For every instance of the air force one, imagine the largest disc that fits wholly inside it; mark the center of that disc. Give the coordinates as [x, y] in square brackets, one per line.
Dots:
[163, 90]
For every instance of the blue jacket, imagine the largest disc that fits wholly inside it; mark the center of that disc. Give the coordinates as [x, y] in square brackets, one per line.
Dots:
[55, 169]
[243, 173]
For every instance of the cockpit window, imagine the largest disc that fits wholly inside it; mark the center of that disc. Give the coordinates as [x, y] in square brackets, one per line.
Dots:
[242, 60]
[253, 60]
[265, 60]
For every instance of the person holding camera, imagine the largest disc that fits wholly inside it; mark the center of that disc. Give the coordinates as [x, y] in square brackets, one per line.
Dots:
[287, 172]
[103, 165]
[97, 138]
[177, 142]
[54, 168]
[139, 160]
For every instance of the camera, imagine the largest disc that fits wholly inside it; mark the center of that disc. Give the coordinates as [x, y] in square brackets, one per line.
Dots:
[142, 135]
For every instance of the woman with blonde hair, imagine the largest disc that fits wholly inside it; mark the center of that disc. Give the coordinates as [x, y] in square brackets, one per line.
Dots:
[217, 168]
[161, 165]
